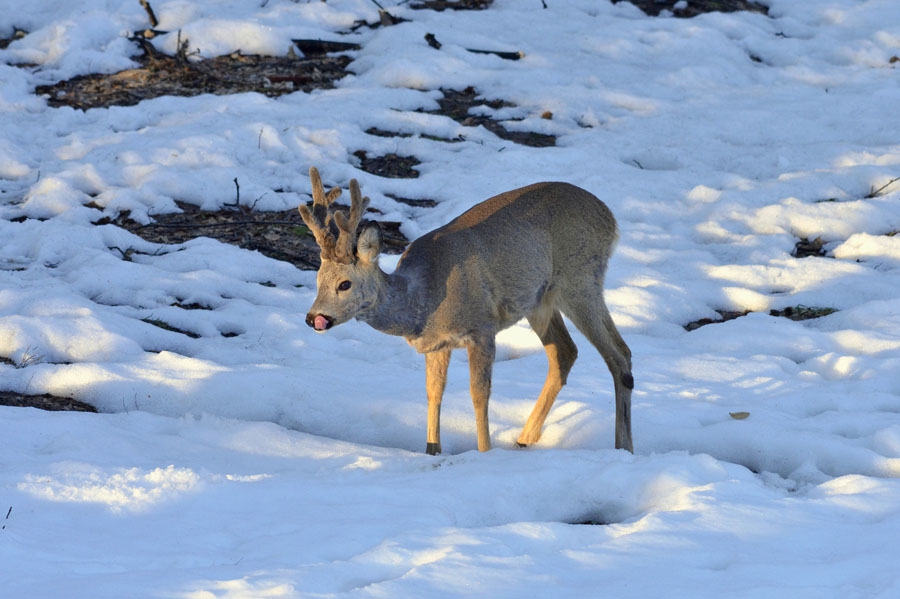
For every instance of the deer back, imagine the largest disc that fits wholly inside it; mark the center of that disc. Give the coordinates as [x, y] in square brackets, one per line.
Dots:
[495, 263]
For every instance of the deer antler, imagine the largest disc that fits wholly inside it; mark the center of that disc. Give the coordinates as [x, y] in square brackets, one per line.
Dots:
[338, 245]
[347, 240]
[319, 218]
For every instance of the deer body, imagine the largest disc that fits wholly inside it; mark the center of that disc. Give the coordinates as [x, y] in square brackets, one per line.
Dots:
[527, 253]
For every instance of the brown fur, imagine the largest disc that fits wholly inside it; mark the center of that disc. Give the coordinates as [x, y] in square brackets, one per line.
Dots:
[528, 253]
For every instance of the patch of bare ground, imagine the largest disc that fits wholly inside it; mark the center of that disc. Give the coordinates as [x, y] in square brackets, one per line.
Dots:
[796, 313]
[805, 248]
[440, 5]
[44, 402]
[693, 8]
[724, 316]
[391, 165]
[279, 235]
[457, 105]
[416, 203]
[17, 34]
[384, 133]
[163, 75]
[802, 312]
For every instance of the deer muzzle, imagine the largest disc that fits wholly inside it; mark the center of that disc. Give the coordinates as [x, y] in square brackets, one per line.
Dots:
[319, 322]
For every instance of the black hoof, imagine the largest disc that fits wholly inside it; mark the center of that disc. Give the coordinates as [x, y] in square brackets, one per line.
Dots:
[521, 445]
[432, 448]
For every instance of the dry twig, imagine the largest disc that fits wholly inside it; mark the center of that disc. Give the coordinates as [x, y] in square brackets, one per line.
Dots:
[874, 193]
[150, 14]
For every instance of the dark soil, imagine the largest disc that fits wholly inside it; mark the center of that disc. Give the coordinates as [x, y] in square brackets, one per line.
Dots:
[724, 316]
[802, 312]
[412, 202]
[806, 248]
[44, 402]
[440, 5]
[279, 235]
[697, 7]
[457, 104]
[389, 165]
[16, 35]
[382, 133]
[793, 313]
[161, 75]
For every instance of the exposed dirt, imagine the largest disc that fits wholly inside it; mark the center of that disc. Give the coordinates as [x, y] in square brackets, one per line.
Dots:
[420, 203]
[696, 7]
[162, 75]
[391, 165]
[280, 235]
[802, 312]
[44, 402]
[440, 5]
[383, 133]
[16, 35]
[793, 313]
[806, 248]
[724, 316]
[457, 104]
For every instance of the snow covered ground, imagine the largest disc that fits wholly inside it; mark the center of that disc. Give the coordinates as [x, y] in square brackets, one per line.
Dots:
[280, 463]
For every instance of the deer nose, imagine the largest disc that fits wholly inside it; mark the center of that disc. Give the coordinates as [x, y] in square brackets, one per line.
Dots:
[319, 322]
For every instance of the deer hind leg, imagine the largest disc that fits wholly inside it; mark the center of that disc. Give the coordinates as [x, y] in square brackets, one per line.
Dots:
[436, 364]
[588, 311]
[561, 354]
[481, 363]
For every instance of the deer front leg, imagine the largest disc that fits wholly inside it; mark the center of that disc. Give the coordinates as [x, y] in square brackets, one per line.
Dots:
[436, 364]
[481, 363]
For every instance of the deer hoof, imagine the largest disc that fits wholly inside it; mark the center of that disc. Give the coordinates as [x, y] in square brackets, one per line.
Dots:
[432, 448]
[521, 445]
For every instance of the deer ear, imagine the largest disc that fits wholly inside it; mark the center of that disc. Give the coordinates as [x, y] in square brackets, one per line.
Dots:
[369, 244]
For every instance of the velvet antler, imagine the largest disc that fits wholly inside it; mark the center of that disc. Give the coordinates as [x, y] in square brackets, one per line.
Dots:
[338, 242]
[320, 217]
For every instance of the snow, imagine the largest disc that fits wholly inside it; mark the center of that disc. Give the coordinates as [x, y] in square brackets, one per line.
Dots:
[274, 462]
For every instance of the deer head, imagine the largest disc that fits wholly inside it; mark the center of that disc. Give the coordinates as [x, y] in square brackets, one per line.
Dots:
[348, 279]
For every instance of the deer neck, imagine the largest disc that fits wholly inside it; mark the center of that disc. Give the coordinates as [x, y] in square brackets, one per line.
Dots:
[398, 310]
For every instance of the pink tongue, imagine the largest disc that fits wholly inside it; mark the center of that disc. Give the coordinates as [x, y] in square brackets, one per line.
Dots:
[321, 323]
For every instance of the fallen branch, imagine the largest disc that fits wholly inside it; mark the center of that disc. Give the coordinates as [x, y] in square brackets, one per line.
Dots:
[434, 43]
[152, 16]
[148, 34]
[149, 49]
[441, 5]
[320, 47]
[504, 55]
[874, 193]
[384, 16]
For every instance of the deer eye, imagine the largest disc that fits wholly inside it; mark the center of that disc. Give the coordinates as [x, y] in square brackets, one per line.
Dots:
[344, 286]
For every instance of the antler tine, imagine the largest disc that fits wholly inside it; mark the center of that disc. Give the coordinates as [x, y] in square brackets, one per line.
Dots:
[320, 198]
[348, 225]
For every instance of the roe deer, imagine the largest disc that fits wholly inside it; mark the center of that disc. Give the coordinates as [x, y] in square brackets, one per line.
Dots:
[531, 252]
